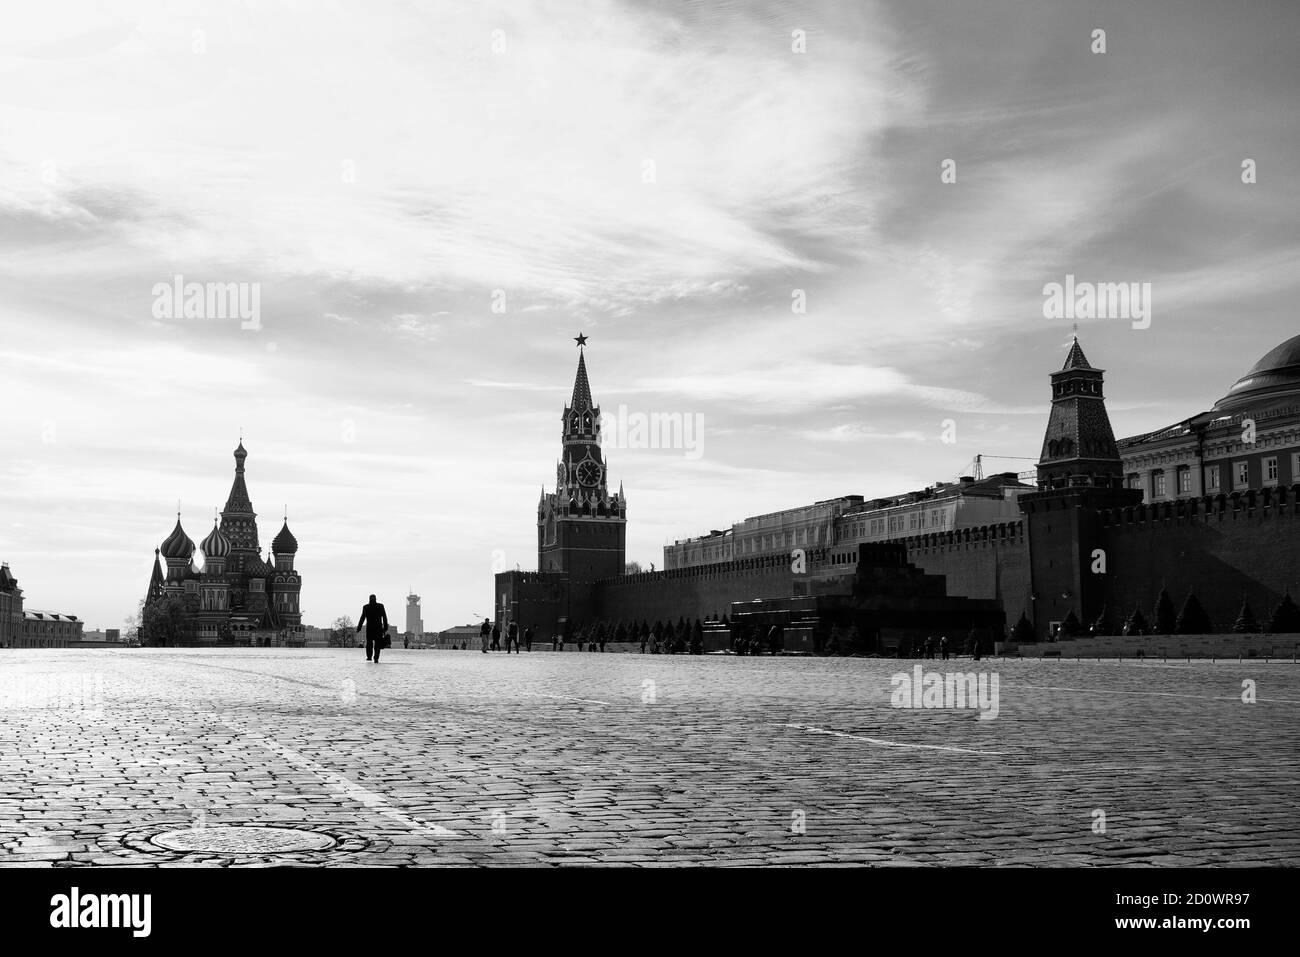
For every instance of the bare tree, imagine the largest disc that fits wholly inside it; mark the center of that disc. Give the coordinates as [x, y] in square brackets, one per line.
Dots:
[343, 633]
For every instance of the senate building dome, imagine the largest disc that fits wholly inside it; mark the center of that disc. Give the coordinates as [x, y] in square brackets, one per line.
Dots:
[1273, 378]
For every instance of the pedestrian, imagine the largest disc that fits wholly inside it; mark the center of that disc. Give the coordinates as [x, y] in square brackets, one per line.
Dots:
[555, 641]
[773, 638]
[928, 651]
[528, 638]
[644, 636]
[375, 620]
[496, 636]
[512, 636]
[406, 642]
[484, 630]
[943, 647]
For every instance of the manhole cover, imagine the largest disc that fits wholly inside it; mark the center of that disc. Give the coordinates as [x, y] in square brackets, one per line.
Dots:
[243, 840]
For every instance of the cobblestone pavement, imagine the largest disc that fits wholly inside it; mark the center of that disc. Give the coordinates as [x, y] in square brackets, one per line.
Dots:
[577, 758]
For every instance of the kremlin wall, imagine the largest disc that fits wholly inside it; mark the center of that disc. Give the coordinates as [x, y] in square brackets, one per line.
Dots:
[1206, 505]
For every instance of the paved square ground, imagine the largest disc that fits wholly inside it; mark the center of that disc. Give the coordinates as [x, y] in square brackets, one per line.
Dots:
[582, 758]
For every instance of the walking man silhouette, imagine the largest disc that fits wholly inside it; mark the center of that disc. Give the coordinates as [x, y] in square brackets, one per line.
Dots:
[375, 620]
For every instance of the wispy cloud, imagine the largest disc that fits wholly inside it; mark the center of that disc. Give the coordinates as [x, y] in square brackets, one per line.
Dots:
[434, 200]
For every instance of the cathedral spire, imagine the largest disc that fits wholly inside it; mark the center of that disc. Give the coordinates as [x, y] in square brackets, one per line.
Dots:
[238, 502]
[238, 520]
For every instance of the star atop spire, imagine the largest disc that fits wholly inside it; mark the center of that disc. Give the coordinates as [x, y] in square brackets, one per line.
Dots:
[580, 339]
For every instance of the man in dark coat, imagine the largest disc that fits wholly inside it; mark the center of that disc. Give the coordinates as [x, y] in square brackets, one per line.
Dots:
[496, 637]
[375, 620]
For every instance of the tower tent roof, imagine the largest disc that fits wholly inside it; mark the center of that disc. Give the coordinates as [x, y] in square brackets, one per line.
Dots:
[238, 502]
[1076, 359]
[581, 388]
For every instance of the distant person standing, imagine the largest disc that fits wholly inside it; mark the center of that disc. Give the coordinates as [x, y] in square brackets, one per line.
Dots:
[375, 620]
[496, 636]
[528, 638]
[484, 630]
[512, 636]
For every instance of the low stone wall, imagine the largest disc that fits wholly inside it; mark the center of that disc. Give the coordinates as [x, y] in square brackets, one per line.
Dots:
[1165, 646]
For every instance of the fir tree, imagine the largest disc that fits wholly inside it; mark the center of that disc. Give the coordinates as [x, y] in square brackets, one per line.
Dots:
[1070, 627]
[1193, 620]
[1164, 616]
[1023, 632]
[1246, 623]
[1103, 624]
[1286, 617]
[1136, 623]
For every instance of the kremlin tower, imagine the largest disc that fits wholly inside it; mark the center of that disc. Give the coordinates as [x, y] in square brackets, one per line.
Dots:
[581, 526]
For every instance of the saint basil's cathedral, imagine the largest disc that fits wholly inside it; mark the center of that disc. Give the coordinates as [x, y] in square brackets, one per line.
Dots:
[237, 595]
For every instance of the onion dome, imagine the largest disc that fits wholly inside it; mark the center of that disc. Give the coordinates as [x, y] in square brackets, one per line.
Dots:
[177, 546]
[284, 543]
[215, 545]
[1273, 378]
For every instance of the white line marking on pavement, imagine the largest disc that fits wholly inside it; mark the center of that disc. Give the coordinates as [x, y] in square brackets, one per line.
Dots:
[569, 697]
[890, 744]
[337, 782]
[1158, 694]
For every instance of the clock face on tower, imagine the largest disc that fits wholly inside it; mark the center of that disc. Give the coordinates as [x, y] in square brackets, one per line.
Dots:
[589, 473]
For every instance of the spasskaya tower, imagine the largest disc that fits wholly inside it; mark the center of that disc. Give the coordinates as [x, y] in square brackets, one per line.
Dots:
[581, 526]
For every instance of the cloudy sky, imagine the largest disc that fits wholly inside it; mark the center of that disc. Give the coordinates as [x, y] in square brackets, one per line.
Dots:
[433, 199]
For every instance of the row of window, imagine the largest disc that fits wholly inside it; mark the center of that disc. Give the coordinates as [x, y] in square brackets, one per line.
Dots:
[915, 520]
[1161, 483]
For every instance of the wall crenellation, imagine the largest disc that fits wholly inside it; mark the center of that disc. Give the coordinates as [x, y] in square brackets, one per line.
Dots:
[1267, 501]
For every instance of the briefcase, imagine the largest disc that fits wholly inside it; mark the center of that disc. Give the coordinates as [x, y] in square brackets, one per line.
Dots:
[386, 641]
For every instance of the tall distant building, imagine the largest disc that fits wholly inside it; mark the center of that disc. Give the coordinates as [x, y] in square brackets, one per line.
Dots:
[414, 623]
[237, 593]
[581, 526]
